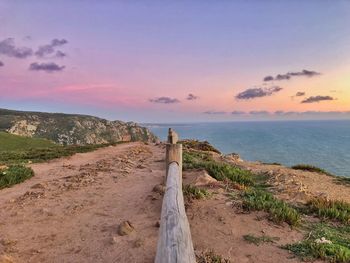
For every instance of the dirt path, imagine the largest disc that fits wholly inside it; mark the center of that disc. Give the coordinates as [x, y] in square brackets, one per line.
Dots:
[70, 210]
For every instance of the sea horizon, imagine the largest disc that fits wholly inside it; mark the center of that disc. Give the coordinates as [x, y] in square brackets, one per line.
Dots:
[287, 142]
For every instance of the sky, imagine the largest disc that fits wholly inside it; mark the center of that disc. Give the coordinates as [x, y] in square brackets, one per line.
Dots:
[177, 61]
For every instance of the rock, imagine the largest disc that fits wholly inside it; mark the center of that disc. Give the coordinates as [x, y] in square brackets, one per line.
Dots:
[3, 167]
[125, 228]
[6, 259]
[46, 211]
[157, 224]
[38, 186]
[139, 243]
[233, 157]
[204, 180]
[114, 240]
[159, 188]
[141, 166]
[323, 240]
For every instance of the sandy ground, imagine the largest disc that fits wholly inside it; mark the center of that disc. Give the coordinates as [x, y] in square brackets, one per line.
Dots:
[297, 185]
[71, 209]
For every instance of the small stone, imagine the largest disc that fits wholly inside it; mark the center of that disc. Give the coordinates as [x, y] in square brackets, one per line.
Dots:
[38, 186]
[159, 188]
[8, 242]
[114, 240]
[6, 259]
[157, 224]
[139, 243]
[323, 240]
[125, 228]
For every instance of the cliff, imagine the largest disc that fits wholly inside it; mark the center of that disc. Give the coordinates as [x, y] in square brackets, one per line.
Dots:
[70, 129]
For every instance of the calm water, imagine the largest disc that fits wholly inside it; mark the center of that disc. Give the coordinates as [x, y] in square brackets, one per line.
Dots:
[325, 144]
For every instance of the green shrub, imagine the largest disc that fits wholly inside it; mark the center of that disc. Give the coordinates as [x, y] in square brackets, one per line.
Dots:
[14, 174]
[310, 168]
[211, 257]
[252, 239]
[330, 209]
[335, 249]
[278, 210]
[193, 192]
[219, 171]
[44, 154]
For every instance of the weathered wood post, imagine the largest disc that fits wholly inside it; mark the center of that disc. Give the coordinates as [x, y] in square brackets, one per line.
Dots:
[174, 242]
[173, 151]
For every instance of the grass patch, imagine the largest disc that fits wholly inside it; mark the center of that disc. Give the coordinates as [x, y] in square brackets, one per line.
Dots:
[211, 257]
[16, 151]
[337, 210]
[278, 210]
[324, 242]
[219, 171]
[310, 168]
[11, 142]
[274, 163]
[193, 192]
[252, 239]
[14, 174]
[342, 180]
[43, 154]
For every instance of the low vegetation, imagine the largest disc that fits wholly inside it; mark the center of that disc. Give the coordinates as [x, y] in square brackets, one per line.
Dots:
[278, 210]
[193, 192]
[310, 168]
[219, 171]
[327, 242]
[40, 154]
[258, 240]
[10, 142]
[211, 257]
[254, 195]
[199, 146]
[330, 209]
[14, 174]
[17, 151]
[342, 180]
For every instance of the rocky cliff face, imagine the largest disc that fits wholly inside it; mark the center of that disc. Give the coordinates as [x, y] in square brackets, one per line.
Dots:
[71, 129]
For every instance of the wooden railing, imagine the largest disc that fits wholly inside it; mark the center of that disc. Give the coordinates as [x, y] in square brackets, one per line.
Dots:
[174, 242]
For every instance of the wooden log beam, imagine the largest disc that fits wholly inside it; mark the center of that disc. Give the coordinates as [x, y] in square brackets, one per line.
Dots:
[175, 242]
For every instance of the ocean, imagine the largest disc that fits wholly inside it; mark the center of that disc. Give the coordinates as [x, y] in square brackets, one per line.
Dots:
[325, 144]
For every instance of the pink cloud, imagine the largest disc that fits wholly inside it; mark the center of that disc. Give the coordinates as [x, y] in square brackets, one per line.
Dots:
[107, 96]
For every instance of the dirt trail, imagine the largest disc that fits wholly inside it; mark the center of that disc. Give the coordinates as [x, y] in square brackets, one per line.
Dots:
[70, 210]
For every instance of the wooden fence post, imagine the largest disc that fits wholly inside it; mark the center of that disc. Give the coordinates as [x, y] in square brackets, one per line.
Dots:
[175, 241]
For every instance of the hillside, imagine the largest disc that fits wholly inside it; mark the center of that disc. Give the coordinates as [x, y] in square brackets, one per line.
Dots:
[11, 142]
[70, 129]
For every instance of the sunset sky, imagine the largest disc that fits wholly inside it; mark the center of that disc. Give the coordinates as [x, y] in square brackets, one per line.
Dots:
[177, 61]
